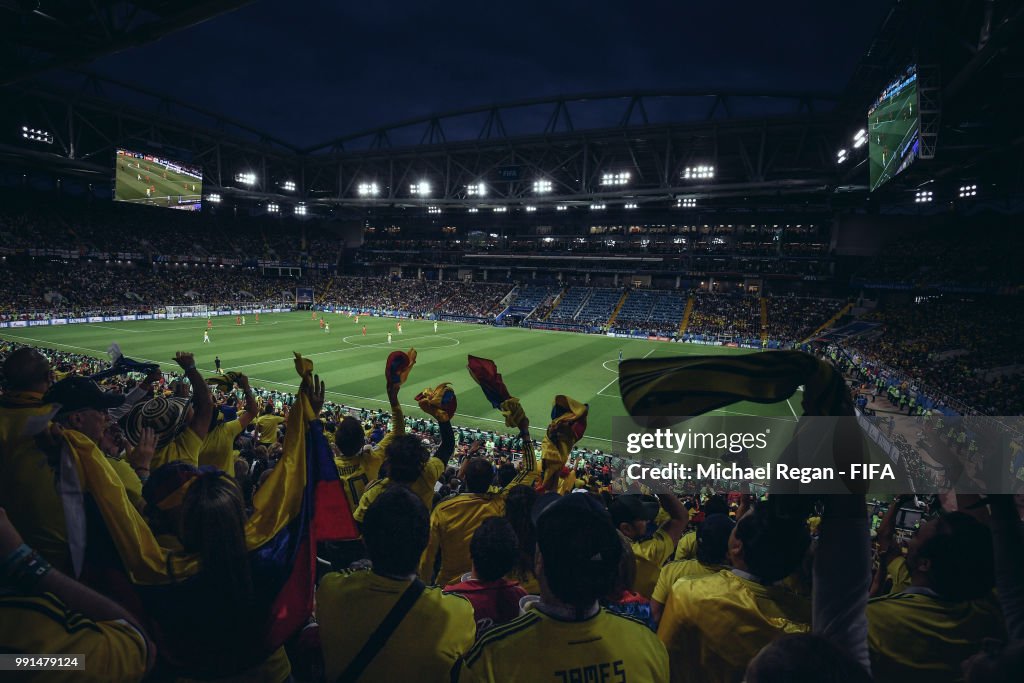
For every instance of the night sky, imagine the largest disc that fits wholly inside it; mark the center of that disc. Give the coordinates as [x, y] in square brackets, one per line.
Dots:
[310, 70]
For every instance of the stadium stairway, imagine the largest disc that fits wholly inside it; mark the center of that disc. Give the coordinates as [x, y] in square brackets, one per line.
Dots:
[831, 321]
[686, 315]
[618, 307]
[764, 322]
[554, 304]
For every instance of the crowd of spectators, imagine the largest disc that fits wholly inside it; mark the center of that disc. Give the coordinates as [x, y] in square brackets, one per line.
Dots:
[964, 347]
[420, 298]
[499, 573]
[725, 317]
[795, 319]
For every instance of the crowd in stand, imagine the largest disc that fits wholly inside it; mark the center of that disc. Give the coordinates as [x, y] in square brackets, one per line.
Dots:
[421, 298]
[797, 318]
[955, 346]
[480, 561]
[725, 317]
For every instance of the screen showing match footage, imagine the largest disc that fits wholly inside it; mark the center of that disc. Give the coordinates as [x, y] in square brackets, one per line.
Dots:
[153, 180]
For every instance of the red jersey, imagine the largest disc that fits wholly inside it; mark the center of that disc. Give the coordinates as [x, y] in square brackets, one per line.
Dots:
[494, 602]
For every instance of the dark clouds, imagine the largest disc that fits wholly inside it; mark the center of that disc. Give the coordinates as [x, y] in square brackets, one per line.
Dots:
[309, 70]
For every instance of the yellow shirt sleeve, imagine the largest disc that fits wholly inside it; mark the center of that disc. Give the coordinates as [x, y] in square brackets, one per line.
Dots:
[131, 481]
[185, 447]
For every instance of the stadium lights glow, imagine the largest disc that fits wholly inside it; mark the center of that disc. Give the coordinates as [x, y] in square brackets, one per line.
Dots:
[476, 190]
[215, 198]
[368, 189]
[630, 205]
[702, 172]
[923, 196]
[686, 202]
[422, 188]
[598, 207]
[300, 210]
[473, 209]
[500, 209]
[621, 178]
[288, 185]
[273, 208]
[247, 178]
[678, 240]
[841, 156]
[542, 186]
[548, 240]
[968, 191]
[531, 209]
[860, 138]
[37, 135]
[433, 209]
[561, 207]
[494, 235]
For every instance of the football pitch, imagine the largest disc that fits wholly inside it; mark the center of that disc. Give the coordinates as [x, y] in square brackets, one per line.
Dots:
[536, 365]
[165, 186]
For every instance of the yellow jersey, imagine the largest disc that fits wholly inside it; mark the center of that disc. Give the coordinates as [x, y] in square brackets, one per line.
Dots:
[650, 555]
[267, 426]
[218, 447]
[452, 524]
[438, 629]
[27, 482]
[422, 487]
[43, 624]
[917, 637]
[687, 548]
[898, 573]
[536, 647]
[356, 472]
[131, 481]
[681, 569]
[713, 626]
[185, 447]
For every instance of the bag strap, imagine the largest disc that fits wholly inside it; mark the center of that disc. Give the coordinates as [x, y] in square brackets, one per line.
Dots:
[379, 638]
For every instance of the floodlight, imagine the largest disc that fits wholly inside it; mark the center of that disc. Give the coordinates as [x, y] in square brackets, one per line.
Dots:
[245, 177]
[841, 156]
[473, 209]
[368, 189]
[476, 190]
[422, 188]
[630, 205]
[686, 202]
[548, 240]
[923, 196]
[531, 209]
[273, 208]
[700, 172]
[37, 135]
[288, 185]
[620, 178]
[300, 210]
[433, 209]
[215, 198]
[860, 138]
[598, 207]
[561, 207]
[968, 191]
[542, 186]
[500, 209]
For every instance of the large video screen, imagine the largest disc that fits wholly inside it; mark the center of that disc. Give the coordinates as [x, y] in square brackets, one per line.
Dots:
[894, 127]
[149, 179]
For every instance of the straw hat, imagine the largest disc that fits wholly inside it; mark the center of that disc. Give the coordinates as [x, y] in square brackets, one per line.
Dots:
[165, 416]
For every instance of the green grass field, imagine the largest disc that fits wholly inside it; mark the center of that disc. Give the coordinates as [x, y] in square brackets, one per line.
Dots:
[536, 365]
[166, 187]
[889, 127]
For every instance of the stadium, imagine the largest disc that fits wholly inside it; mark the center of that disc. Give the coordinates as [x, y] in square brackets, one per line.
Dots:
[659, 367]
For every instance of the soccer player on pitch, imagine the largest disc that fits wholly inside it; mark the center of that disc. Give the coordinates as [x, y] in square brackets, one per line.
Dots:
[435, 327]
[389, 337]
[206, 336]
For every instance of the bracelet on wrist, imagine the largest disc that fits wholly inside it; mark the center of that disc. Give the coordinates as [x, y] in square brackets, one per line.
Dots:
[28, 571]
[16, 556]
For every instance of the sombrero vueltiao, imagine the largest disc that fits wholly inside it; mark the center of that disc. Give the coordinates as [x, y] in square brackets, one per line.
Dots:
[166, 416]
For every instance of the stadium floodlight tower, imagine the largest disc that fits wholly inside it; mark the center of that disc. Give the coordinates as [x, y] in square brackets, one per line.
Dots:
[214, 198]
[420, 189]
[842, 156]
[968, 191]
[542, 186]
[288, 186]
[923, 197]
[476, 190]
[245, 177]
[860, 138]
[686, 202]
